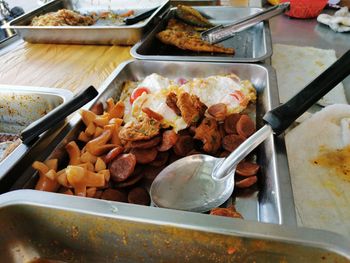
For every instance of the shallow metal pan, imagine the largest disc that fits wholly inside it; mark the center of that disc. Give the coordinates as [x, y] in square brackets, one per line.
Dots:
[19, 107]
[96, 34]
[39, 225]
[194, 2]
[271, 201]
[251, 45]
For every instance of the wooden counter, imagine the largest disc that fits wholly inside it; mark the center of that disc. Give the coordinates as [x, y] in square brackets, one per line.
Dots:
[72, 67]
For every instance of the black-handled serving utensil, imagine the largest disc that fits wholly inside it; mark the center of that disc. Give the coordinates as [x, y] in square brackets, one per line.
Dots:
[135, 19]
[57, 115]
[201, 182]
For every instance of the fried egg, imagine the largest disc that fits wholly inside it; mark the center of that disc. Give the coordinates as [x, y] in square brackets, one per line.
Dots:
[229, 89]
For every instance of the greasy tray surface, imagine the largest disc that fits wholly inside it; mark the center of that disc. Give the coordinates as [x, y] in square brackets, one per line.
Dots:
[273, 202]
[251, 45]
[19, 107]
[97, 34]
[49, 226]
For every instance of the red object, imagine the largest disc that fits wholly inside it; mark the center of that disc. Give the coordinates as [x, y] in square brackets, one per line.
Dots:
[137, 93]
[305, 8]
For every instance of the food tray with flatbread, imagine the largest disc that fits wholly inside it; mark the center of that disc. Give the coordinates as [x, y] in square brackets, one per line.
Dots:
[251, 45]
[86, 22]
[269, 200]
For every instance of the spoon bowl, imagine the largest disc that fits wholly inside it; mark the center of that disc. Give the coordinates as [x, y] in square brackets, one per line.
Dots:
[187, 184]
[201, 182]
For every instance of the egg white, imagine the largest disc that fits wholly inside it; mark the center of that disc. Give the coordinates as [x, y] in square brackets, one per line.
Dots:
[210, 90]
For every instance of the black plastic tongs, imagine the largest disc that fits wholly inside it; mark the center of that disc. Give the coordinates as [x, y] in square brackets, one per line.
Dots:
[135, 19]
[57, 115]
[223, 32]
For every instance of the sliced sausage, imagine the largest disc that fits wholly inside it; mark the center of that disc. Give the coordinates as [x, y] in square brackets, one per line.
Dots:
[218, 111]
[191, 130]
[247, 182]
[224, 154]
[222, 130]
[114, 195]
[245, 126]
[247, 168]
[133, 179]
[150, 173]
[232, 141]
[193, 152]
[139, 196]
[174, 157]
[161, 159]
[65, 190]
[144, 156]
[183, 145]
[112, 154]
[98, 194]
[230, 123]
[144, 144]
[228, 212]
[122, 167]
[97, 108]
[169, 138]
[185, 132]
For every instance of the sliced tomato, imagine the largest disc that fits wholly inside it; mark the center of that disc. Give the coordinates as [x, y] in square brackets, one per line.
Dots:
[137, 93]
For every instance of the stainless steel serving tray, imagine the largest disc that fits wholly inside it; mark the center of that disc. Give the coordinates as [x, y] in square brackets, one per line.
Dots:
[39, 225]
[194, 2]
[19, 107]
[251, 45]
[95, 34]
[272, 202]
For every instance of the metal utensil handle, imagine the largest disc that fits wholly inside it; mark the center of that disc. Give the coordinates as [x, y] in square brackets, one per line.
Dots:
[138, 18]
[280, 118]
[58, 114]
[283, 116]
[221, 33]
[230, 162]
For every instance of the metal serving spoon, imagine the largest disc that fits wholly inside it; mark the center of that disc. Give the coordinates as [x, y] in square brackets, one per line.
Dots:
[201, 182]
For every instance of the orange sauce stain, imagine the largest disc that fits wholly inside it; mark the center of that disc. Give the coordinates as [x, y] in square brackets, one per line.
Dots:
[338, 161]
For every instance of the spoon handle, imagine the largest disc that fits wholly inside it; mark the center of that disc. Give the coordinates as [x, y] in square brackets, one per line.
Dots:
[140, 17]
[283, 116]
[224, 168]
[280, 118]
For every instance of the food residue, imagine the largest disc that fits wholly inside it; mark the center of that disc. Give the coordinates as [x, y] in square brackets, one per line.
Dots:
[337, 160]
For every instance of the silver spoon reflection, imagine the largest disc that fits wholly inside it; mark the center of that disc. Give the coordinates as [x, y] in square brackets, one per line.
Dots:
[201, 182]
